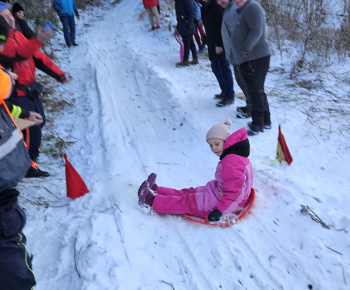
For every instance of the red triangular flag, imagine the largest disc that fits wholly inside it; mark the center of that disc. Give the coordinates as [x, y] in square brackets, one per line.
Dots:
[282, 148]
[76, 186]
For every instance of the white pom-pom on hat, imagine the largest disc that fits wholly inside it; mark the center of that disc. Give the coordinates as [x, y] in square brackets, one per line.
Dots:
[220, 131]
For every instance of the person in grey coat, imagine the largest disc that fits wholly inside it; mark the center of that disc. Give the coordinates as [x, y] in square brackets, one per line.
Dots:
[244, 36]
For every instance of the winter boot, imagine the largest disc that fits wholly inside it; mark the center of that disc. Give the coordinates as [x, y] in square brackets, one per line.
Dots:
[194, 61]
[146, 197]
[157, 26]
[254, 129]
[153, 27]
[183, 63]
[243, 113]
[34, 171]
[220, 96]
[152, 181]
[225, 102]
[266, 126]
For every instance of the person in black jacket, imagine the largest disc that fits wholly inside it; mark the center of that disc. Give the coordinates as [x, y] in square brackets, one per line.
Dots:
[18, 14]
[212, 18]
[185, 15]
[15, 263]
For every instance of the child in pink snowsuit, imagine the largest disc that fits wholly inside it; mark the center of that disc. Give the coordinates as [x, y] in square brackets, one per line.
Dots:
[227, 193]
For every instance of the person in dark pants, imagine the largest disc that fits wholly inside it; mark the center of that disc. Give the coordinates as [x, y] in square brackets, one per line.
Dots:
[15, 263]
[66, 10]
[185, 15]
[245, 42]
[212, 19]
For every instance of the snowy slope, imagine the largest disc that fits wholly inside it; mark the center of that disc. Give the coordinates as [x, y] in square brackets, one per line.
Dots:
[133, 112]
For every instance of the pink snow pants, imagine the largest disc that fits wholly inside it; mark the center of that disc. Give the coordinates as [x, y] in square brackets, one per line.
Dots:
[174, 201]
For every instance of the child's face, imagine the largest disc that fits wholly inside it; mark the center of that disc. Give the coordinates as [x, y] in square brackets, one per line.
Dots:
[216, 146]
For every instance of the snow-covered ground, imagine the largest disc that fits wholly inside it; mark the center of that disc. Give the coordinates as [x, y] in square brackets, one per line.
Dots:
[132, 113]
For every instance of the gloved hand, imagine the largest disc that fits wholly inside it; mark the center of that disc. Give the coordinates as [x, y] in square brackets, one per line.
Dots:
[63, 79]
[191, 25]
[214, 216]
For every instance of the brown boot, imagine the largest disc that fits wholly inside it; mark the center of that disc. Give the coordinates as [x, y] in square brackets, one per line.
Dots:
[194, 61]
[183, 63]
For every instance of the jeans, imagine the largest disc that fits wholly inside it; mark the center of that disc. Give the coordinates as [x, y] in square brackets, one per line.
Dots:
[68, 28]
[254, 73]
[222, 72]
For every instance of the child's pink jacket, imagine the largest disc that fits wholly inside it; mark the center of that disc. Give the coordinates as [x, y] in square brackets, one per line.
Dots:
[232, 184]
[229, 190]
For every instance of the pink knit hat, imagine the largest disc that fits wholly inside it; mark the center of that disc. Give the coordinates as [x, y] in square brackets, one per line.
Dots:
[220, 130]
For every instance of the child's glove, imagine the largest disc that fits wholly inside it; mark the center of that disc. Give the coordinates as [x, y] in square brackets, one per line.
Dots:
[214, 216]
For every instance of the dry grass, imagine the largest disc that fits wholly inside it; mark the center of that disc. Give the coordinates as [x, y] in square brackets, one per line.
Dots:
[52, 145]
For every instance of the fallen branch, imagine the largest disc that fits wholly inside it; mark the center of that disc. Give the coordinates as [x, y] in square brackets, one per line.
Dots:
[75, 260]
[171, 285]
[118, 207]
[334, 250]
[315, 217]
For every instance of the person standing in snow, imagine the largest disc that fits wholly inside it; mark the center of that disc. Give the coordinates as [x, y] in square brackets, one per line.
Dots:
[212, 19]
[15, 263]
[151, 7]
[185, 15]
[227, 193]
[244, 36]
[22, 56]
[66, 10]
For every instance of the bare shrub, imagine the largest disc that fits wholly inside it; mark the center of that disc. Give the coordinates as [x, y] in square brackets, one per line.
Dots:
[310, 25]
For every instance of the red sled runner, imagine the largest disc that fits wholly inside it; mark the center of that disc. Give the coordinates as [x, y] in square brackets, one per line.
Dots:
[225, 222]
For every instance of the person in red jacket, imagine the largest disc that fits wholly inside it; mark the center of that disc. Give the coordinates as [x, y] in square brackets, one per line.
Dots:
[22, 56]
[151, 7]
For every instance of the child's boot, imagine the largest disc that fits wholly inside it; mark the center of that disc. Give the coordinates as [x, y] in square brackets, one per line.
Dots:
[152, 181]
[146, 197]
[153, 27]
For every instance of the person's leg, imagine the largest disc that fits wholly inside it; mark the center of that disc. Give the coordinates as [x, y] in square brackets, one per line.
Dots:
[156, 14]
[170, 191]
[71, 23]
[243, 85]
[254, 73]
[64, 20]
[187, 42]
[215, 67]
[15, 264]
[150, 16]
[193, 50]
[34, 131]
[227, 79]
[181, 203]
